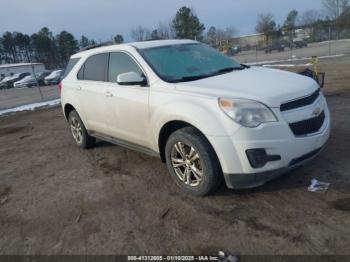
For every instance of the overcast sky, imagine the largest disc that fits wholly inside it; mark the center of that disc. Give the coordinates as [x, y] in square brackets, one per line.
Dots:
[101, 19]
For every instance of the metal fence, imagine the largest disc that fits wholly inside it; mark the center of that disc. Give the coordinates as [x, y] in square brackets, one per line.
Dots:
[298, 43]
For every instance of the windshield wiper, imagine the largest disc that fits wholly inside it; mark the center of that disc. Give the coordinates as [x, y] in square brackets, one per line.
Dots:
[228, 69]
[190, 78]
[197, 77]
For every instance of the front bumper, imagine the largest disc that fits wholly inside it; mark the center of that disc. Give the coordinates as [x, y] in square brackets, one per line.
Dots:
[244, 181]
[20, 85]
[277, 139]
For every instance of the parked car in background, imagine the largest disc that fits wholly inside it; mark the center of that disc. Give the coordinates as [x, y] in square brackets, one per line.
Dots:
[277, 46]
[41, 77]
[205, 115]
[299, 43]
[30, 81]
[3, 82]
[54, 77]
[234, 50]
[8, 82]
[25, 82]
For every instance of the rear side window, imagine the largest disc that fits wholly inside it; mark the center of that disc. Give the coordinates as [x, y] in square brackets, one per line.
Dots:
[70, 66]
[94, 68]
[120, 63]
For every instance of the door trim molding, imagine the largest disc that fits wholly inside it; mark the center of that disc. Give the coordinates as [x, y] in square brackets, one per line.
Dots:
[124, 143]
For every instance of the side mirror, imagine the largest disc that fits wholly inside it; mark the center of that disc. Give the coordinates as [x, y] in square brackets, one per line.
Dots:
[131, 78]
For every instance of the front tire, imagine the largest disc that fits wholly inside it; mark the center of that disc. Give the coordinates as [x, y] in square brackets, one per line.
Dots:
[192, 162]
[78, 130]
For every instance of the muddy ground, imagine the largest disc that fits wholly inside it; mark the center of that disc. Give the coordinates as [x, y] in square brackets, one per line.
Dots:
[58, 199]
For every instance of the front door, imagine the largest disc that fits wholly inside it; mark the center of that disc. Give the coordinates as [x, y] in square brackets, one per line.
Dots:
[128, 102]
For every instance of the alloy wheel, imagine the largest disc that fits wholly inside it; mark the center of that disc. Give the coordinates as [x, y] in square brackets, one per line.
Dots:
[187, 164]
[77, 130]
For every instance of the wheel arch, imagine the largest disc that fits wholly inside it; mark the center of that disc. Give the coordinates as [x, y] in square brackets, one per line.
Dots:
[67, 109]
[169, 128]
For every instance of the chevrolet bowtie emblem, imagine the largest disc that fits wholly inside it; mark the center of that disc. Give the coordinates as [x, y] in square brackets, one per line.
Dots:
[316, 111]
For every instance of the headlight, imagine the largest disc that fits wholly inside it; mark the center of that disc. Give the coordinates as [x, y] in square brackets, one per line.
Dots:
[247, 113]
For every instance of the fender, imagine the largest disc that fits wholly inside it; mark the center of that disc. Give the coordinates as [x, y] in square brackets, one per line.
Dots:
[205, 115]
[69, 97]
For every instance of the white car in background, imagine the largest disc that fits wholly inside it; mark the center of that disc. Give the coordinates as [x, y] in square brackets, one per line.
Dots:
[54, 77]
[204, 114]
[23, 82]
[30, 80]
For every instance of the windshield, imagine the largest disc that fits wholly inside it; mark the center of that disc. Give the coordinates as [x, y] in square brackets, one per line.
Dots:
[54, 73]
[188, 62]
[6, 78]
[14, 76]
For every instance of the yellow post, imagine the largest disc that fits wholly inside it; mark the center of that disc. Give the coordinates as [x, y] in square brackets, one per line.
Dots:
[314, 61]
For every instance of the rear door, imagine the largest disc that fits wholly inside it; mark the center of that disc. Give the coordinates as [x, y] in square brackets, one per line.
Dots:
[93, 93]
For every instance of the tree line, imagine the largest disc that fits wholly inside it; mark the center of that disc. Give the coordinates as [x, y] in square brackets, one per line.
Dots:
[54, 50]
[43, 46]
[333, 23]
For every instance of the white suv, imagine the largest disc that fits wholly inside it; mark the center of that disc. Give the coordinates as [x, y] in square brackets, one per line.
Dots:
[204, 114]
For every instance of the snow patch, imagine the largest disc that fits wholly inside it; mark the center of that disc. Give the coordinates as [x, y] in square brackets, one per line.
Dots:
[292, 60]
[31, 107]
[289, 65]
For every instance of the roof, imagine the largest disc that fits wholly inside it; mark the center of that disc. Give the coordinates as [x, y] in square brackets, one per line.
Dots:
[138, 45]
[158, 43]
[19, 65]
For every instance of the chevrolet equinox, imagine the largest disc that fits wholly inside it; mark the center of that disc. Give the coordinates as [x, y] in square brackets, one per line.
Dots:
[208, 117]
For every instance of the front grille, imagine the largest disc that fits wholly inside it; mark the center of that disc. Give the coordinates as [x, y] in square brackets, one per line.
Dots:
[307, 100]
[308, 126]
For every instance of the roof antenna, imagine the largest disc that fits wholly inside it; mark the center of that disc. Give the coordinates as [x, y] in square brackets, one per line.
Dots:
[96, 46]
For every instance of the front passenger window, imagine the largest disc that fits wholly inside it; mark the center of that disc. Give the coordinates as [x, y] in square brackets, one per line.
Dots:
[120, 63]
[95, 68]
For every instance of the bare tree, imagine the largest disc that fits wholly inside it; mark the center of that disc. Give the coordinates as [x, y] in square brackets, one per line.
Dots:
[230, 31]
[211, 36]
[140, 33]
[165, 31]
[334, 8]
[309, 17]
[221, 35]
[215, 35]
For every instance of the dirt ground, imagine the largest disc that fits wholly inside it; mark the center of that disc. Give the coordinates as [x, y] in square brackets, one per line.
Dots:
[58, 199]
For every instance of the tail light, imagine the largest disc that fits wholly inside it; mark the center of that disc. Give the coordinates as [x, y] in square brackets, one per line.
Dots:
[59, 88]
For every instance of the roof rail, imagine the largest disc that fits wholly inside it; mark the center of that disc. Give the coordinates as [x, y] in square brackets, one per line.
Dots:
[96, 46]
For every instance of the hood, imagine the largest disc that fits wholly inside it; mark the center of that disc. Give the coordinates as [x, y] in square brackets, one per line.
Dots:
[13, 77]
[25, 79]
[5, 79]
[269, 86]
[52, 76]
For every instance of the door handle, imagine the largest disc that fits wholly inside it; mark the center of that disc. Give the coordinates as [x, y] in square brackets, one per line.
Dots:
[108, 94]
[78, 88]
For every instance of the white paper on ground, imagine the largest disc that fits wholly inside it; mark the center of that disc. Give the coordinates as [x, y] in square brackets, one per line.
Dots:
[318, 186]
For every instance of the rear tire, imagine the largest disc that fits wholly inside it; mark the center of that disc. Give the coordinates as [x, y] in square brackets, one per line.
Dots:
[192, 162]
[78, 130]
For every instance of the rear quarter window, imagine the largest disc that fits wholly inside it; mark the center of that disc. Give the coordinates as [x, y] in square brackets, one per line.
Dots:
[72, 62]
[95, 68]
